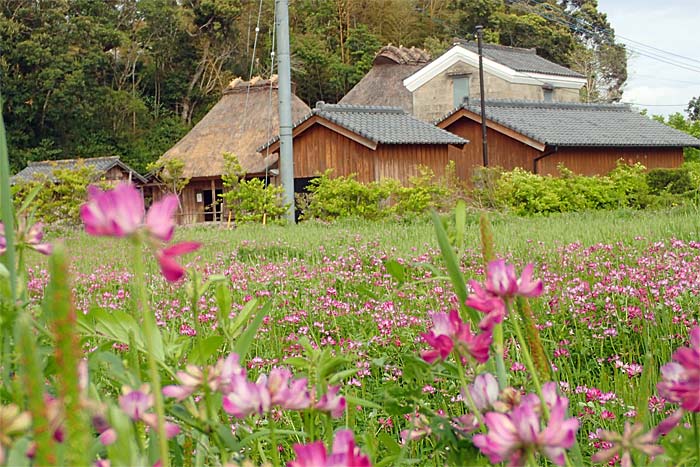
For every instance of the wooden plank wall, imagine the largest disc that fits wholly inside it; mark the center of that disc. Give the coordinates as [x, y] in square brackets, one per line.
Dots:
[320, 148]
[600, 161]
[508, 153]
[503, 151]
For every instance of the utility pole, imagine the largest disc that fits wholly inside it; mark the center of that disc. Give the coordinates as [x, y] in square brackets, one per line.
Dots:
[284, 93]
[485, 146]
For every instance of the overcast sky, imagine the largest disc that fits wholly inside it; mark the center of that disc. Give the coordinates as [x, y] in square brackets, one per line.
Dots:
[670, 25]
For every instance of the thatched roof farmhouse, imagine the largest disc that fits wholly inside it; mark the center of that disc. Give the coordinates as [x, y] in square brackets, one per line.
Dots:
[245, 117]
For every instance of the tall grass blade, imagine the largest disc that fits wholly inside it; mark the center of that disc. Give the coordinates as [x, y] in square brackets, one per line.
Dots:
[452, 264]
[6, 211]
[62, 320]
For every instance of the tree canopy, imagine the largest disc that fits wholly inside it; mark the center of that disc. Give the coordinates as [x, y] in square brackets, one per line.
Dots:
[81, 78]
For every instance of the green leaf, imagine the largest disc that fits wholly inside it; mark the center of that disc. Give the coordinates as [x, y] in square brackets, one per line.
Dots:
[396, 270]
[362, 402]
[389, 443]
[452, 265]
[341, 375]
[328, 366]
[204, 349]
[242, 317]
[29, 198]
[243, 342]
[298, 362]
[460, 223]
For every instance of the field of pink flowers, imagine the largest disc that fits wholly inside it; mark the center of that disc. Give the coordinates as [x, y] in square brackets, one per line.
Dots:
[372, 344]
[353, 319]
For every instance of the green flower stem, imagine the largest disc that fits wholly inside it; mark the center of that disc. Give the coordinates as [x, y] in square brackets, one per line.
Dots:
[696, 432]
[498, 351]
[150, 331]
[273, 441]
[468, 395]
[6, 211]
[528, 362]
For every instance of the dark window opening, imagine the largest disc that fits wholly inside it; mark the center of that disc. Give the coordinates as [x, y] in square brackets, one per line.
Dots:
[212, 205]
[301, 195]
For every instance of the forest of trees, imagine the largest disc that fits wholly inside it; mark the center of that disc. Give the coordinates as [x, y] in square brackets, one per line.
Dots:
[86, 78]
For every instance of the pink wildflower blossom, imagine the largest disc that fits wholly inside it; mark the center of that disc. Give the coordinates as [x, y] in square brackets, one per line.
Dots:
[501, 284]
[633, 438]
[484, 391]
[343, 454]
[136, 403]
[511, 435]
[246, 397]
[290, 395]
[120, 213]
[332, 402]
[30, 237]
[448, 332]
[681, 378]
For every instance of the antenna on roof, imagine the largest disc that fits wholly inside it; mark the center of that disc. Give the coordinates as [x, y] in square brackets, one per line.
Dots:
[485, 147]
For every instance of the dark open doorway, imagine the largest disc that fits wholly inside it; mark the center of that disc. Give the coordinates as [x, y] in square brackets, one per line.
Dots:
[301, 191]
[212, 205]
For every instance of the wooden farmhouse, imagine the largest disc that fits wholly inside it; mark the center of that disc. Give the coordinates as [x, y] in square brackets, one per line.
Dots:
[427, 89]
[109, 169]
[372, 142]
[245, 118]
[588, 139]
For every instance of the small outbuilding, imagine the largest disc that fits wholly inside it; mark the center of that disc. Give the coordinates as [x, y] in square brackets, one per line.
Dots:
[109, 169]
[372, 142]
[244, 118]
[588, 139]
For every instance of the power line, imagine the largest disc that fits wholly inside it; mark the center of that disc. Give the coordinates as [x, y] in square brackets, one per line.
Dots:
[579, 27]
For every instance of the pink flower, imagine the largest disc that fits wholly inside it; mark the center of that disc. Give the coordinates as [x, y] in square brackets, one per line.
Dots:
[448, 332]
[136, 403]
[29, 237]
[113, 213]
[681, 378]
[502, 280]
[484, 391]
[294, 396]
[485, 302]
[120, 213]
[246, 397]
[170, 269]
[332, 402]
[511, 435]
[343, 454]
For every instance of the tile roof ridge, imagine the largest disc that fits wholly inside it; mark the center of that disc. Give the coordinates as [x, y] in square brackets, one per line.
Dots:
[598, 106]
[323, 107]
[77, 159]
[485, 45]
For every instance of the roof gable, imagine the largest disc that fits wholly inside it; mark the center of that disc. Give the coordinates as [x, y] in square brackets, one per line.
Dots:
[560, 124]
[371, 126]
[532, 68]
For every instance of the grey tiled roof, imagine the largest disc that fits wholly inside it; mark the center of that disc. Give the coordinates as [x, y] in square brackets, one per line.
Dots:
[564, 124]
[524, 60]
[98, 164]
[384, 125]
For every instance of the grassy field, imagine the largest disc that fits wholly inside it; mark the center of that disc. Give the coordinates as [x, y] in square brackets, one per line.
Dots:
[621, 292]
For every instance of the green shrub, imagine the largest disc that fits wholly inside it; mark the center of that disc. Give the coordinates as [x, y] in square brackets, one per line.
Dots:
[526, 193]
[331, 198]
[674, 181]
[59, 201]
[250, 201]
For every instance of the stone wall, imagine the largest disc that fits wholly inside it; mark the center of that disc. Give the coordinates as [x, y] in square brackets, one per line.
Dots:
[435, 98]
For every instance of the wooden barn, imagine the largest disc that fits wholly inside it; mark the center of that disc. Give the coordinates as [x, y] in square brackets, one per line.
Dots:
[372, 142]
[588, 139]
[109, 169]
[245, 117]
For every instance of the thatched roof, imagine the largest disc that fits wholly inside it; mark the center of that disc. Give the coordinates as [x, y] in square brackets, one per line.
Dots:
[383, 84]
[244, 119]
